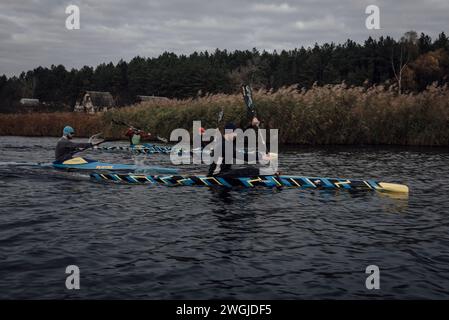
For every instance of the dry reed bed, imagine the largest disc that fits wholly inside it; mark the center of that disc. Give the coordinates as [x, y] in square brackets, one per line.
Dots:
[49, 124]
[332, 114]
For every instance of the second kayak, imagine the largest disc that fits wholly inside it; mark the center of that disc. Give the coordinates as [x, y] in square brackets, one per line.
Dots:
[138, 149]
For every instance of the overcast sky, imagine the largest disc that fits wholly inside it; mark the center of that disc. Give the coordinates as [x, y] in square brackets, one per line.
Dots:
[33, 33]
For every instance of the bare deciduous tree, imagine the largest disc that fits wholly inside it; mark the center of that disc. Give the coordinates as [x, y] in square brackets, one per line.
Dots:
[398, 73]
[407, 45]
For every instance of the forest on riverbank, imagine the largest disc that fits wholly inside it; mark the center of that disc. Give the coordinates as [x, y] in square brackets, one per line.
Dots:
[411, 63]
[329, 114]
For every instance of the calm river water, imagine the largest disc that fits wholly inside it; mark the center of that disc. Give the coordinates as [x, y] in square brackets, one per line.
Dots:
[154, 242]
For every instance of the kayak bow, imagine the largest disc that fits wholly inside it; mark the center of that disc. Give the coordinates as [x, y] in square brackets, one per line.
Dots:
[270, 181]
[87, 164]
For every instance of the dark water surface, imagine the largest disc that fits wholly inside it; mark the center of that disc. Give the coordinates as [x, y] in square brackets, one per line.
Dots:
[155, 242]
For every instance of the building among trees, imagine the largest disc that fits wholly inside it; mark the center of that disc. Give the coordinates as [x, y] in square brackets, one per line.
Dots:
[95, 101]
[27, 102]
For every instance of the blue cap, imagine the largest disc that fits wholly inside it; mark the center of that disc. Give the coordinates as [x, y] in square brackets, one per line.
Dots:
[68, 130]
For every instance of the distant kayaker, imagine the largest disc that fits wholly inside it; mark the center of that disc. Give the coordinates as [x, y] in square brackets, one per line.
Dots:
[65, 148]
[136, 135]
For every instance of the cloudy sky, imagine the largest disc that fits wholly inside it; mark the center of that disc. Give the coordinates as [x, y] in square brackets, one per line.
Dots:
[33, 32]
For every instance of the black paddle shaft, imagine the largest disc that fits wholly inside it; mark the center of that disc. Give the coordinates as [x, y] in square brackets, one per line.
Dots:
[248, 98]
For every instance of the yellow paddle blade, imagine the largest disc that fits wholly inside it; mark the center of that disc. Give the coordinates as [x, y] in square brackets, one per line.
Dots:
[393, 187]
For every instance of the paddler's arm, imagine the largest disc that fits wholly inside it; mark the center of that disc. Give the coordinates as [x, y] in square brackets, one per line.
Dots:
[213, 165]
[216, 161]
[254, 124]
[83, 145]
[76, 146]
[145, 135]
[68, 146]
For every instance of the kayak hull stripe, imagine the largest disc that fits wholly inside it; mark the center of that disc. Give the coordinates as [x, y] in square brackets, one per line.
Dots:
[269, 181]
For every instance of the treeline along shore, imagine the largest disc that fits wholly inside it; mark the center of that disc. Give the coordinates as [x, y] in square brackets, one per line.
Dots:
[413, 62]
[329, 114]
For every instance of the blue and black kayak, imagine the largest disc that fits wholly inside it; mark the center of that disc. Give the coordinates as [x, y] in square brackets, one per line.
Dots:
[270, 181]
[152, 149]
[83, 164]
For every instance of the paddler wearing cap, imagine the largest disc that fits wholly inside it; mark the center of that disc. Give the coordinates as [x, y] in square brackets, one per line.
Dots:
[66, 148]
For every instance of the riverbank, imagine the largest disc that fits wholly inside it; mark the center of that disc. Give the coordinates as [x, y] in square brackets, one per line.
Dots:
[334, 114]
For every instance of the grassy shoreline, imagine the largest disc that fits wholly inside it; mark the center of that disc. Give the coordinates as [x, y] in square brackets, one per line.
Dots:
[328, 115]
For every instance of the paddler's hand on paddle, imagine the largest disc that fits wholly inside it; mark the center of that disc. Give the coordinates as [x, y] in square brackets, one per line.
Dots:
[97, 143]
[269, 156]
[255, 122]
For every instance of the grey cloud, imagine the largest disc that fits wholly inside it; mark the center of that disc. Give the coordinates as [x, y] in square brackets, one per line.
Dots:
[33, 33]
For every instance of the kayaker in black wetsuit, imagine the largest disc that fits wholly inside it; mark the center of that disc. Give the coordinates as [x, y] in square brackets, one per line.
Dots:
[65, 149]
[219, 168]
